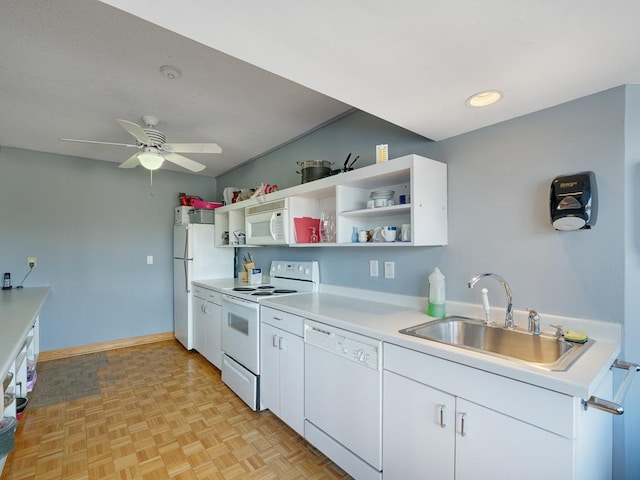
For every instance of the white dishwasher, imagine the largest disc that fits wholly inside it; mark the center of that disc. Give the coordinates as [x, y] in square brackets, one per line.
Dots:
[343, 398]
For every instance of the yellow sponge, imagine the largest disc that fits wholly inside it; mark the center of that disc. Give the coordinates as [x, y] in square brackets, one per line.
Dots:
[575, 336]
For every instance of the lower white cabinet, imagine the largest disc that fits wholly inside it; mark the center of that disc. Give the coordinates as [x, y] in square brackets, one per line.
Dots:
[213, 350]
[429, 431]
[444, 420]
[282, 366]
[199, 320]
[207, 324]
[418, 433]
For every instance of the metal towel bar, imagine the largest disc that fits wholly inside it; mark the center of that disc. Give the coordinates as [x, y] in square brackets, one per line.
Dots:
[614, 406]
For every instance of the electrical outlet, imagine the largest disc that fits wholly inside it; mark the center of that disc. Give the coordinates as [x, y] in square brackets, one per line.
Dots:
[373, 268]
[389, 270]
[32, 262]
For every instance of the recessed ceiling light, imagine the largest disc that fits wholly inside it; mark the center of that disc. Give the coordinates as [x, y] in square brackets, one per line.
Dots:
[484, 99]
[170, 72]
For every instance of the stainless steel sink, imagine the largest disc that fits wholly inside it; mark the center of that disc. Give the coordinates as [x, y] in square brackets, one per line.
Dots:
[546, 351]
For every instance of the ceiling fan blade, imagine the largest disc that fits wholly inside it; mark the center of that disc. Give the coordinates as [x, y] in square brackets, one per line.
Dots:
[99, 143]
[135, 130]
[132, 162]
[184, 162]
[192, 147]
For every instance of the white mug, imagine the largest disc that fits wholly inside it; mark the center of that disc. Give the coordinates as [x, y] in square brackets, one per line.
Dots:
[389, 234]
[362, 236]
[405, 232]
[377, 234]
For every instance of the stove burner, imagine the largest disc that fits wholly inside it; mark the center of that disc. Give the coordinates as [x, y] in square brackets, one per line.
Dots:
[262, 293]
[243, 289]
[265, 287]
[284, 290]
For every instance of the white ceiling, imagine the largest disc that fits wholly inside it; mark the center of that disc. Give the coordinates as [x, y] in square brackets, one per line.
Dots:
[257, 74]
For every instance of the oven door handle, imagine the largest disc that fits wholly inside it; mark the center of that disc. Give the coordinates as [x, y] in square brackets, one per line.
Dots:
[240, 302]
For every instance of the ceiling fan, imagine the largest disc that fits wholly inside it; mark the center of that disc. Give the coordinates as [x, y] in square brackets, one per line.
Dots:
[153, 147]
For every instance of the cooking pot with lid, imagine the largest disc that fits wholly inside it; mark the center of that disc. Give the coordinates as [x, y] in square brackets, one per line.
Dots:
[314, 169]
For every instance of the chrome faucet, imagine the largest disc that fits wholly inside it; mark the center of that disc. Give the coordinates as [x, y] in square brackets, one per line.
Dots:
[508, 318]
[534, 322]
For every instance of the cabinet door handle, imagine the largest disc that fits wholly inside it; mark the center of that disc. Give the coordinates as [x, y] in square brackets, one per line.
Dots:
[442, 408]
[277, 318]
[463, 416]
[274, 341]
[281, 343]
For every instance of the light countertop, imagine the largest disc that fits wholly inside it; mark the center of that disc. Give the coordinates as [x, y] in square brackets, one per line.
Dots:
[360, 311]
[18, 311]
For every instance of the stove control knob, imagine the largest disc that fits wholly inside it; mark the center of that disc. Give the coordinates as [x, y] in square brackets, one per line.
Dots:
[300, 267]
[362, 356]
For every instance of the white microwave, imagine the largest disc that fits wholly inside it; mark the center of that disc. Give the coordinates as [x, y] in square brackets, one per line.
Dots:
[267, 223]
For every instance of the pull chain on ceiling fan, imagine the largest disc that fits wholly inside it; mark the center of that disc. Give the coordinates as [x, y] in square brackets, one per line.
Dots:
[153, 147]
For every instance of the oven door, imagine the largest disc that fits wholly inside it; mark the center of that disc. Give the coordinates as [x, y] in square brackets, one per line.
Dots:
[241, 331]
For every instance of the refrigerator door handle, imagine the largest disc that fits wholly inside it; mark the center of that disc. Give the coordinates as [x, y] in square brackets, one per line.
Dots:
[186, 276]
[186, 243]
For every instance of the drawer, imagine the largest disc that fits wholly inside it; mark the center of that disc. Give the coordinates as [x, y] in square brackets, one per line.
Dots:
[283, 320]
[199, 292]
[214, 297]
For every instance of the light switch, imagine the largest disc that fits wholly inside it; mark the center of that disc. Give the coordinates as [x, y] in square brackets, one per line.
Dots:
[149, 259]
[389, 270]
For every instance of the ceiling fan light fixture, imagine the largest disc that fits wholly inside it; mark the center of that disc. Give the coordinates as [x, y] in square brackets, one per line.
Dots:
[150, 160]
[484, 99]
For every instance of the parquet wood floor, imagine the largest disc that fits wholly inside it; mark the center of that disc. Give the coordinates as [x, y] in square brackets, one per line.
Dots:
[162, 413]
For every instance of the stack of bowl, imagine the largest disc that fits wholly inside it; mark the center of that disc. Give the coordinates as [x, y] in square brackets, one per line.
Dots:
[382, 198]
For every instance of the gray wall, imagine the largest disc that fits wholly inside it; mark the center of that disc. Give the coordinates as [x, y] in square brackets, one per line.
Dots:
[499, 180]
[627, 425]
[92, 225]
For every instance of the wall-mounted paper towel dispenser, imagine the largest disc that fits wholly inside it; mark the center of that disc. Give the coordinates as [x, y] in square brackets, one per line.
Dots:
[573, 201]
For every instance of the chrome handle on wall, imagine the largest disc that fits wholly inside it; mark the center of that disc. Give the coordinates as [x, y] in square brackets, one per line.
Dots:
[462, 418]
[614, 406]
[281, 343]
[274, 341]
[442, 408]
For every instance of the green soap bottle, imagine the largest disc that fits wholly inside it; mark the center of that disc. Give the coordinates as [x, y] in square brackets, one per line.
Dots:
[436, 294]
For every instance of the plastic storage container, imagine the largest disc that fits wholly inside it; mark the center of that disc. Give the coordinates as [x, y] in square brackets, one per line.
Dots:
[436, 294]
[7, 435]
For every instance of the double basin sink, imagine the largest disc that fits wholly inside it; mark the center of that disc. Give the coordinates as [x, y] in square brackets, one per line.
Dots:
[546, 351]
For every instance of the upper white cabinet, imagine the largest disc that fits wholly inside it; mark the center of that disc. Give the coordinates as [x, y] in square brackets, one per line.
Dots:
[421, 181]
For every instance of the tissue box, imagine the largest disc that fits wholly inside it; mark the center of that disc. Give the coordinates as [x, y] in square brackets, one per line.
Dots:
[255, 276]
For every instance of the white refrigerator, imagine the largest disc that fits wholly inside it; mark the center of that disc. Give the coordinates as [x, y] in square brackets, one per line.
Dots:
[194, 258]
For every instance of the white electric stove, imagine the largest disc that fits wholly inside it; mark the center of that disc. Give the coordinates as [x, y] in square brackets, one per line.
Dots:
[241, 323]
